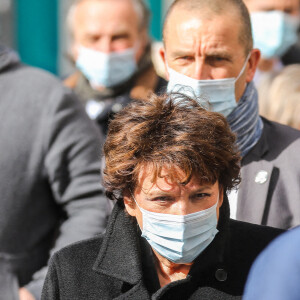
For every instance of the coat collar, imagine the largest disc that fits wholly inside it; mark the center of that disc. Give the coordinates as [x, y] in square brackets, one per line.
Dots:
[119, 255]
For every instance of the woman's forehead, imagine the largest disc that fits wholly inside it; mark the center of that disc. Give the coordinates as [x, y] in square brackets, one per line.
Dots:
[169, 178]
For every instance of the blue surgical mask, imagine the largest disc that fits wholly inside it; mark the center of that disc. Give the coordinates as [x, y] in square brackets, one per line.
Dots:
[180, 238]
[106, 69]
[214, 94]
[274, 32]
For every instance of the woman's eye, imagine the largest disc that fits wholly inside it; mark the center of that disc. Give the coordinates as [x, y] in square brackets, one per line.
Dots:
[185, 58]
[202, 195]
[162, 199]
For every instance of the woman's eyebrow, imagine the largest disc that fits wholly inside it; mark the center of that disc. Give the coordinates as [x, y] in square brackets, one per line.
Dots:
[159, 194]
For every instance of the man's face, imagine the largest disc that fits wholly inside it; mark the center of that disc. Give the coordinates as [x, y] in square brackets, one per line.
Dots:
[207, 46]
[290, 7]
[107, 26]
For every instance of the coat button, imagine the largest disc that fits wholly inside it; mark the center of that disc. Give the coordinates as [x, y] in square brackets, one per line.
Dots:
[221, 275]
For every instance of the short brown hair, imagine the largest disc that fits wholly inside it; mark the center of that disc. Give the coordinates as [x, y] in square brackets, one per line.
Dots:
[218, 7]
[171, 131]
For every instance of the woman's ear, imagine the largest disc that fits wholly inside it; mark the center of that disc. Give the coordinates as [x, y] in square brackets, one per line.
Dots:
[129, 203]
[220, 201]
[221, 195]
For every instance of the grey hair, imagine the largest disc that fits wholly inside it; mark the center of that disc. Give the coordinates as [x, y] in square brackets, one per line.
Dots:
[140, 7]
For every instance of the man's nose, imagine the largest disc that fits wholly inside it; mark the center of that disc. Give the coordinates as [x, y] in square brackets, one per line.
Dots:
[201, 70]
[104, 46]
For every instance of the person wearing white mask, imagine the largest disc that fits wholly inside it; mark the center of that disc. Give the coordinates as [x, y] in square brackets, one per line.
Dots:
[112, 52]
[169, 235]
[208, 51]
[275, 24]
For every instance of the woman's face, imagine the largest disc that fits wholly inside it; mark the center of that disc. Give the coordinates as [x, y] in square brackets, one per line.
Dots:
[168, 197]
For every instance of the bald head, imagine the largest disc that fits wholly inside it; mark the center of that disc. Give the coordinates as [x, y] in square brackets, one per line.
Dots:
[209, 8]
[109, 26]
[139, 6]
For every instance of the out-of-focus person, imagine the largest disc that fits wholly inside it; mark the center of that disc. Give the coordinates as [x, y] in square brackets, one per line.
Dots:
[281, 101]
[50, 186]
[112, 52]
[275, 26]
[169, 236]
[275, 274]
[208, 50]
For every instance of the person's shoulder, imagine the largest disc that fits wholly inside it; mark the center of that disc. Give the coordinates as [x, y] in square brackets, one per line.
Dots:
[255, 228]
[34, 74]
[282, 141]
[78, 253]
[256, 235]
[39, 85]
[287, 243]
[284, 131]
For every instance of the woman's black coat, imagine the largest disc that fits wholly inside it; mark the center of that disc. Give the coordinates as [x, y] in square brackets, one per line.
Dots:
[110, 267]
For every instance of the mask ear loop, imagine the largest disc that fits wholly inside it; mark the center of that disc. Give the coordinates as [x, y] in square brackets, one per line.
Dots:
[135, 200]
[244, 67]
[141, 210]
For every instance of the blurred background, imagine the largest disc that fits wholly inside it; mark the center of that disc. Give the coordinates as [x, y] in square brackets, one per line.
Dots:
[37, 30]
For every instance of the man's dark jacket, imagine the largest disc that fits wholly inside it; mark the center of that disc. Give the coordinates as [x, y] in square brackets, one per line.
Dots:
[270, 189]
[110, 267]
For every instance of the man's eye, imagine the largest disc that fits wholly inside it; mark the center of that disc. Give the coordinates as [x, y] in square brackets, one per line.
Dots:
[185, 58]
[217, 58]
[92, 38]
[120, 37]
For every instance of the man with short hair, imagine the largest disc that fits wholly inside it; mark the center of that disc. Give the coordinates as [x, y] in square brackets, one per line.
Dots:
[112, 52]
[208, 52]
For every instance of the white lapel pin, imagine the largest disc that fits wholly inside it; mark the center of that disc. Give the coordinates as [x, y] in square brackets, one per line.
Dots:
[261, 177]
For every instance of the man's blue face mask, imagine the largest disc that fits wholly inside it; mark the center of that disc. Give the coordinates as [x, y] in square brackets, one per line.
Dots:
[274, 32]
[213, 94]
[106, 69]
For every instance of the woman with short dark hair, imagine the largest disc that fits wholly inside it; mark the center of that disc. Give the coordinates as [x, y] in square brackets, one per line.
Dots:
[169, 165]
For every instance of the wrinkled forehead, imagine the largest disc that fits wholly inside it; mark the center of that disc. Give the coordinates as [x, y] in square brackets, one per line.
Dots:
[208, 32]
[180, 19]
